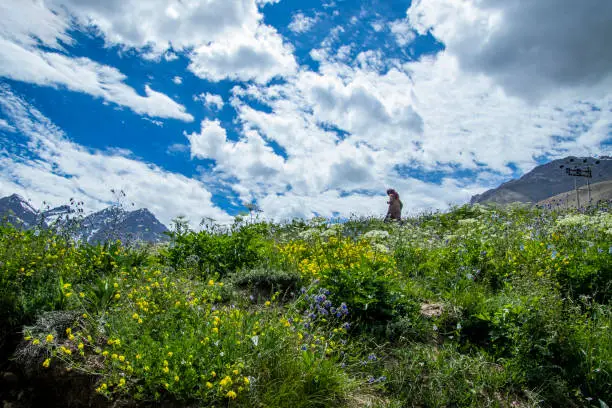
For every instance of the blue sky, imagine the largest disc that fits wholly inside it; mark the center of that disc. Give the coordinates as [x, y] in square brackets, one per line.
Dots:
[314, 107]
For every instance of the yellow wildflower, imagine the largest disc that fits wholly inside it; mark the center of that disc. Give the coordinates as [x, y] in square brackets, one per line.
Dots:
[166, 369]
[122, 358]
[35, 342]
[81, 345]
[246, 380]
[49, 338]
[46, 363]
[267, 303]
[176, 378]
[209, 385]
[122, 382]
[211, 282]
[231, 394]
[227, 381]
[117, 296]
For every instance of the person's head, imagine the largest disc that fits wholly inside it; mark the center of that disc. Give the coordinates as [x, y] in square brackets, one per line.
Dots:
[392, 193]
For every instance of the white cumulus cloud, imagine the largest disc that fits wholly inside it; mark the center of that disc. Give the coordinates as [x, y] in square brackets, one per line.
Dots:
[55, 169]
[210, 100]
[530, 48]
[301, 23]
[84, 75]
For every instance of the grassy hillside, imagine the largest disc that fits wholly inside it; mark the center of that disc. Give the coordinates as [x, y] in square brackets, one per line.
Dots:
[477, 307]
[599, 192]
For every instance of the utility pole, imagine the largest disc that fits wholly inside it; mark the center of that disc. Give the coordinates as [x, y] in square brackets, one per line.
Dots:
[572, 168]
[577, 193]
[589, 190]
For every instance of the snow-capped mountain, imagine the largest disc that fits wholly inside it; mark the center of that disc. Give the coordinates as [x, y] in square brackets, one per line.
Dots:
[112, 223]
[17, 211]
[115, 223]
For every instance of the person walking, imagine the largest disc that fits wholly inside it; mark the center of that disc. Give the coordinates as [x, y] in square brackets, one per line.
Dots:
[395, 206]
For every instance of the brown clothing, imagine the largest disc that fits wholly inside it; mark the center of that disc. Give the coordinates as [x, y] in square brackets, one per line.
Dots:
[395, 209]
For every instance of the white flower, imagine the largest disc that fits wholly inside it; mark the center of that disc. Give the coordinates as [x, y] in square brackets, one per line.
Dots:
[309, 234]
[381, 248]
[329, 233]
[376, 235]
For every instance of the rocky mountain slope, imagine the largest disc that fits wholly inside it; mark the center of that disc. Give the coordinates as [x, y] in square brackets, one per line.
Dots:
[601, 191]
[546, 181]
[110, 223]
[19, 212]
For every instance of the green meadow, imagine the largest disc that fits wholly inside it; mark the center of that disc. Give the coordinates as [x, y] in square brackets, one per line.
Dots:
[475, 307]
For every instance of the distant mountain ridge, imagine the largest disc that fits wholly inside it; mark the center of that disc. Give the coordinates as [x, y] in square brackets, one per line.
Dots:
[544, 181]
[110, 223]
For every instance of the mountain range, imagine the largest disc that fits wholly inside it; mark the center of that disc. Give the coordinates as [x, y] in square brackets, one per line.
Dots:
[548, 180]
[110, 223]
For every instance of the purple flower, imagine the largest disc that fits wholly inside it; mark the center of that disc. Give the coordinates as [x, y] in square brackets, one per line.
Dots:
[371, 380]
[372, 357]
[346, 326]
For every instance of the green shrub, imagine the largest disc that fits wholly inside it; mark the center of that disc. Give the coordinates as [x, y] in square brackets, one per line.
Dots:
[264, 282]
[214, 252]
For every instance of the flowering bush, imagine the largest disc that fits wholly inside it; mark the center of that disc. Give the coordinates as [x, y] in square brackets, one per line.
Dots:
[355, 272]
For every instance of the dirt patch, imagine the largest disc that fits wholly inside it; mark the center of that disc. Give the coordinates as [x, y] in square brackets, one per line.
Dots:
[430, 310]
